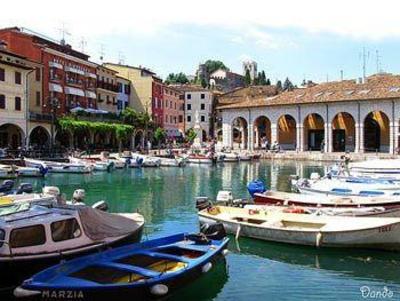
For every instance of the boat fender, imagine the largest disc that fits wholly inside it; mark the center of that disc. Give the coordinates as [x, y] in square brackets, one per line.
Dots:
[159, 289]
[318, 239]
[199, 239]
[294, 210]
[205, 268]
[20, 292]
[128, 161]
[225, 252]
[238, 232]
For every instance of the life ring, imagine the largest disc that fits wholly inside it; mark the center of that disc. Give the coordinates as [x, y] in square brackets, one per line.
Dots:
[213, 210]
[298, 210]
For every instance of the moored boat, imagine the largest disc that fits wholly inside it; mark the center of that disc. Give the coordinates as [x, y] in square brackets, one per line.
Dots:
[306, 229]
[59, 167]
[149, 270]
[200, 159]
[378, 168]
[37, 236]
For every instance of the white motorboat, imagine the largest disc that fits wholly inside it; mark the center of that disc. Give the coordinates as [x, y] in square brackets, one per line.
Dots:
[245, 156]
[198, 158]
[147, 161]
[97, 165]
[306, 229]
[59, 167]
[229, 156]
[347, 187]
[378, 168]
[7, 172]
[172, 162]
[37, 236]
[31, 171]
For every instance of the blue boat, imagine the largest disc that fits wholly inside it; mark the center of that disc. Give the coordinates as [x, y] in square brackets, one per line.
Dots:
[149, 270]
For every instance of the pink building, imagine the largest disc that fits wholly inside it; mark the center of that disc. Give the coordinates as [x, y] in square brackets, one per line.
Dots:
[173, 110]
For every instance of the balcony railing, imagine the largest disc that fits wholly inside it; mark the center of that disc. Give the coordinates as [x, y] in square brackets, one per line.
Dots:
[73, 81]
[39, 117]
[107, 86]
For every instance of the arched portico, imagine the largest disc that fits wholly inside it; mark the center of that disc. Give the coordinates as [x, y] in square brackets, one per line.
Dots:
[39, 137]
[239, 133]
[343, 132]
[11, 136]
[314, 132]
[287, 132]
[376, 132]
[262, 131]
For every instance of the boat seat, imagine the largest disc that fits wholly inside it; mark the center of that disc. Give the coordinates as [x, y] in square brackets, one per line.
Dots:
[130, 268]
[166, 256]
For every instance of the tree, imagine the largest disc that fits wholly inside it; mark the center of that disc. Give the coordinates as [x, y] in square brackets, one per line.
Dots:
[279, 85]
[214, 65]
[203, 82]
[190, 135]
[178, 78]
[247, 78]
[288, 85]
[159, 136]
[268, 82]
[262, 80]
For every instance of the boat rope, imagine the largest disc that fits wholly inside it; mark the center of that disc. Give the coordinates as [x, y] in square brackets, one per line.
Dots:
[238, 232]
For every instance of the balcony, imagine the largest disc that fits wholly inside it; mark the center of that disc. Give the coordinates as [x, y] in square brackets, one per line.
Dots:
[39, 117]
[107, 86]
[74, 82]
[55, 77]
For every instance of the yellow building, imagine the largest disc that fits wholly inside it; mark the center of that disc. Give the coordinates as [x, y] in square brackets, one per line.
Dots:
[14, 70]
[107, 89]
[142, 82]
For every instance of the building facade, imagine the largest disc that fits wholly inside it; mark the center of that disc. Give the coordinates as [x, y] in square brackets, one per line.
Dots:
[124, 92]
[198, 108]
[107, 89]
[333, 117]
[14, 70]
[224, 80]
[173, 110]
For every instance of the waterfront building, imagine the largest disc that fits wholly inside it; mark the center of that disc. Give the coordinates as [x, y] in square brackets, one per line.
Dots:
[124, 92]
[225, 80]
[107, 89]
[348, 115]
[198, 108]
[14, 70]
[173, 110]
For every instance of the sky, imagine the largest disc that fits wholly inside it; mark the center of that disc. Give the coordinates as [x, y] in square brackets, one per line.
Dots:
[308, 39]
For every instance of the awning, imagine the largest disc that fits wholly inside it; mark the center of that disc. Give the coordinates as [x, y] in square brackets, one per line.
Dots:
[94, 111]
[56, 65]
[90, 94]
[92, 75]
[77, 109]
[55, 88]
[74, 91]
[74, 70]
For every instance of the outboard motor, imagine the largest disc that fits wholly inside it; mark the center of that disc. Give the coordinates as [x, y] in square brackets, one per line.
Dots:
[100, 205]
[7, 185]
[43, 169]
[24, 188]
[256, 186]
[215, 231]
[139, 161]
[202, 202]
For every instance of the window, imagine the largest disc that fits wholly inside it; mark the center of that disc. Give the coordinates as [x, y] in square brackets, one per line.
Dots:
[170, 119]
[28, 236]
[180, 118]
[202, 96]
[18, 78]
[2, 101]
[170, 104]
[189, 107]
[166, 118]
[202, 106]
[37, 74]
[114, 103]
[119, 87]
[202, 118]
[108, 98]
[17, 103]
[2, 74]
[65, 230]
[189, 96]
[38, 98]
[127, 89]
[189, 118]
[2, 235]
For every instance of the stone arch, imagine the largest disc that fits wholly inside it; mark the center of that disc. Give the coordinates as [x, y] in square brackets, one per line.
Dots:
[262, 131]
[64, 139]
[82, 139]
[343, 132]
[12, 136]
[219, 135]
[376, 132]
[314, 132]
[239, 133]
[39, 137]
[204, 135]
[287, 132]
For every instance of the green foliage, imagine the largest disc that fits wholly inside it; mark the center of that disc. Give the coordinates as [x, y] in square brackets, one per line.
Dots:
[159, 134]
[122, 131]
[247, 78]
[288, 85]
[279, 85]
[268, 82]
[262, 80]
[178, 78]
[214, 65]
[203, 83]
[190, 135]
[137, 119]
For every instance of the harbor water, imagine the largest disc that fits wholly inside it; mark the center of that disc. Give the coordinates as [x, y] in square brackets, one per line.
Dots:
[254, 270]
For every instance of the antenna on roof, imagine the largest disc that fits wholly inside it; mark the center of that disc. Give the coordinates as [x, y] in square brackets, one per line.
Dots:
[64, 32]
[101, 52]
[378, 62]
[341, 75]
[121, 58]
[82, 44]
[365, 57]
[327, 77]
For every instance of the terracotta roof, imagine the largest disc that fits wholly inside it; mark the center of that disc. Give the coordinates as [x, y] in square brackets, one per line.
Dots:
[247, 94]
[379, 86]
[189, 88]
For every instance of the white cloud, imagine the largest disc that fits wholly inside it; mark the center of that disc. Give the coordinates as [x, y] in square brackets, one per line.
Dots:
[360, 19]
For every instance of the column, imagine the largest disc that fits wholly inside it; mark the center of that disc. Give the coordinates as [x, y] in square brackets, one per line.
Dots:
[361, 137]
[227, 135]
[274, 133]
[300, 137]
[330, 138]
[357, 138]
[257, 137]
[396, 137]
[326, 137]
[250, 138]
[392, 135]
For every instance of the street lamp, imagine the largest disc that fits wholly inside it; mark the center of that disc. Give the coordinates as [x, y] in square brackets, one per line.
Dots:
[53, 103]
